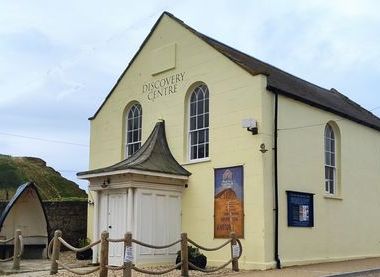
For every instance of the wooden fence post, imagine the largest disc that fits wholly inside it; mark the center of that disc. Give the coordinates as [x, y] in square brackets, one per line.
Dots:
[17, 250]
[103, 272]
[55, 254]
[184, 256]
[127, 272]
[235, 262]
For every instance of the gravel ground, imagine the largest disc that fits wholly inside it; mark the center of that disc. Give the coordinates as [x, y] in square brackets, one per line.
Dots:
[69, 258]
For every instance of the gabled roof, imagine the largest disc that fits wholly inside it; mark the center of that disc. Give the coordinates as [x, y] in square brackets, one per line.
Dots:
[19, 192]
[279, 82]
[153, 156]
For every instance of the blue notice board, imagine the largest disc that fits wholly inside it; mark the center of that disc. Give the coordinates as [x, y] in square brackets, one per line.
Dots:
[300, 209]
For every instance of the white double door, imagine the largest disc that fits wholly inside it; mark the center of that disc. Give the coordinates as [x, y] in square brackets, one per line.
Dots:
[157, 221]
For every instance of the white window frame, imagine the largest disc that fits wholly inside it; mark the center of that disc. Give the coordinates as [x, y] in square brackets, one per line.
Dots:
[206, 143]
[330, 137]
[130, 129]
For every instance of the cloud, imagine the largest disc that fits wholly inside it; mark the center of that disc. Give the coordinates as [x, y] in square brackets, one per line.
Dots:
[62, 58]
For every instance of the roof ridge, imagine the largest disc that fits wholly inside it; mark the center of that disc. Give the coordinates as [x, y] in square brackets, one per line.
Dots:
[352, 102]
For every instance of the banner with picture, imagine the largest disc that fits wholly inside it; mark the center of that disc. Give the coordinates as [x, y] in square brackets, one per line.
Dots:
[228, 202]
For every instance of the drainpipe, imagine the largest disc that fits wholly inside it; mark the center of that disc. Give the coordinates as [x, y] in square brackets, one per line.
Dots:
[276, 256]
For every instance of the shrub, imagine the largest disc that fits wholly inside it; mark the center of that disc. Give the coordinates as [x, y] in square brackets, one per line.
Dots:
[194, 256]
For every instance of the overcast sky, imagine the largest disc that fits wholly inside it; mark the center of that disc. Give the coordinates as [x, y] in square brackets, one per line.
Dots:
[59, 59]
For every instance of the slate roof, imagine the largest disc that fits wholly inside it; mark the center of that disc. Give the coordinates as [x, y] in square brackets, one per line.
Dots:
[153, 156]
[19, 192]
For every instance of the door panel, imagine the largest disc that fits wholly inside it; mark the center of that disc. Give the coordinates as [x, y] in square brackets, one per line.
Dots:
[117, 210]
[158, 223]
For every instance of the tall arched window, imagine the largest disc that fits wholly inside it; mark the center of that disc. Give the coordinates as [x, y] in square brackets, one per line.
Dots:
[199, 123]
[133, 136]
[330, 160]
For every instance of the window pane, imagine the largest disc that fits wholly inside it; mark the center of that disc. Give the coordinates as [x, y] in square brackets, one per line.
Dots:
[200, 95]
[201, 151]
[136, 123]
[135, 135]
[193, 108]
[327, 145]
[130, 149]
[206, 120]
[206, 149]
[192, 123]
[205, 89]
[206, 105]
[327, 158]
[193, 97]
[200, 107]
[331, 183]
[202, 136]
[193, 138]
[193, 153]
[332, 145]
[200, 121]
[330, 173]
[129, 124]
[206, 136]
[333, 159]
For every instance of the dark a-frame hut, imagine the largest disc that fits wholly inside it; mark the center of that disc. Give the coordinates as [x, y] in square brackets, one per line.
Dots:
[25, 211]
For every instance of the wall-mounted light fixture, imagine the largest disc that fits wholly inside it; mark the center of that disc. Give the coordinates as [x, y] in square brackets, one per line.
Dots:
[250, 124]
[106, 182]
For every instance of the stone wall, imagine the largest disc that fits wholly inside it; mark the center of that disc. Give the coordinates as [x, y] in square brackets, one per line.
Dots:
[68, 216]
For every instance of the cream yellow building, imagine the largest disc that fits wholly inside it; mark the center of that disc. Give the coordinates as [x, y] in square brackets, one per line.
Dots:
[191, 118]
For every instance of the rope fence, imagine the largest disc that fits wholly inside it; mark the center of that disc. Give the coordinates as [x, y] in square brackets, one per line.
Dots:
[127, 267]
[18, 249]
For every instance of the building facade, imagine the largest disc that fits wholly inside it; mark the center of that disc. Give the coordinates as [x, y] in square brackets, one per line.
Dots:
[198, 137]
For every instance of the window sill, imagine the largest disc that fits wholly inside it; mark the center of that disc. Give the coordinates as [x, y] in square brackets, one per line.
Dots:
[331, 196]
[197, 161]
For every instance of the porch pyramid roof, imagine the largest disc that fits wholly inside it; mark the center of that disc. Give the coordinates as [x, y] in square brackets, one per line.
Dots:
[153, 156]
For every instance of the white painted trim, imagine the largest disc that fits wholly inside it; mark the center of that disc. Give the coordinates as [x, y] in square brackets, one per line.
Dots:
[196, 161]
[95, 226]
[139, 184]
[133, 171]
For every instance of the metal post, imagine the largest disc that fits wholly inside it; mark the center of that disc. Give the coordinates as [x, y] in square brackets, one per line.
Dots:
[235, 262]
[128, 249]
[103, 272]
[17, 250]
[184, 256]
[55, 254]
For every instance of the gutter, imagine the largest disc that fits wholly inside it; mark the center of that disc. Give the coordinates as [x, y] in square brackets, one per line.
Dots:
[276, 256]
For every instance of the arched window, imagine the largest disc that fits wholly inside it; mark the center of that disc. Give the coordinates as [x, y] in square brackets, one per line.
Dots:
[133, 136]
[330, 160]
[199, 123]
